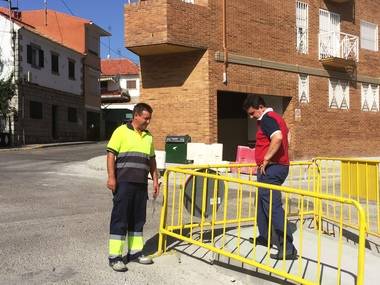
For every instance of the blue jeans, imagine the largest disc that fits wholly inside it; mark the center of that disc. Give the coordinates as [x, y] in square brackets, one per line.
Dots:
[275, 174]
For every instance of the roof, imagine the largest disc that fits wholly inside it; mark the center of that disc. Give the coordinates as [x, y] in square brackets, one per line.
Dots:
[5, 12]
[118, 66]
[62, 28]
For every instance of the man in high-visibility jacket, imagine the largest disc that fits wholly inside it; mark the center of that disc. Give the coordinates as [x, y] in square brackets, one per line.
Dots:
[130, 157]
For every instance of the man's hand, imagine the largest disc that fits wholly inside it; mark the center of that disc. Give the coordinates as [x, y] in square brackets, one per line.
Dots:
[263, 166]
[111, 184]
[156, 189]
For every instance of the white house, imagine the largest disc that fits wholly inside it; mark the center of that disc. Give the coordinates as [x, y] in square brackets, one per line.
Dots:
[120, 91]
[49, 98]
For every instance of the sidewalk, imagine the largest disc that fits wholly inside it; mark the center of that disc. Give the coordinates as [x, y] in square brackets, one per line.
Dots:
[36, 146]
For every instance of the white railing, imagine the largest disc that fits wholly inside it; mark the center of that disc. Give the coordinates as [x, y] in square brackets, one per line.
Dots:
[341, 45]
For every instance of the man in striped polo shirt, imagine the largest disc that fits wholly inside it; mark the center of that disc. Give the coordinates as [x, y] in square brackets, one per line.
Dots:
[272, 159]
[130, 157]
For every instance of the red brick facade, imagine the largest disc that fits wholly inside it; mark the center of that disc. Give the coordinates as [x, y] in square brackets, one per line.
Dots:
[181, 52]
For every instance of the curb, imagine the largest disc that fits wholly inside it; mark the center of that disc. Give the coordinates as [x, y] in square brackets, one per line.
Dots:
[37, 146]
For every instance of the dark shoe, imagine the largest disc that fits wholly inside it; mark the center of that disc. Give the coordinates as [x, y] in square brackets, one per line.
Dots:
[118, 266]
[260, 241]
[289, 255]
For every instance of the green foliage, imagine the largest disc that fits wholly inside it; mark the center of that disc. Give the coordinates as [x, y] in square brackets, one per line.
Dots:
[7, 91]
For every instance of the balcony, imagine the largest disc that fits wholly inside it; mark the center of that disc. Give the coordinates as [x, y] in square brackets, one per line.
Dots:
[166, 26]
[338, 50]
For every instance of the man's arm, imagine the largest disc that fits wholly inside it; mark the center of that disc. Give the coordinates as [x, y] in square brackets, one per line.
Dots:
[154, 174]
[274, 146]
[111, 181]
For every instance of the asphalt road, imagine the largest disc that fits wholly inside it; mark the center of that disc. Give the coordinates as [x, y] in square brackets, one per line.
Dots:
[54, 219]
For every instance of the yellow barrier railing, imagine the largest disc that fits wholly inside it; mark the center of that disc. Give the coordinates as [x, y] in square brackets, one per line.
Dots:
[215, 208]
[354, 179]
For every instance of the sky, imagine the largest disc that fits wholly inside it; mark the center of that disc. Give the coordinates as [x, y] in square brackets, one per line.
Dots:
[108, 14]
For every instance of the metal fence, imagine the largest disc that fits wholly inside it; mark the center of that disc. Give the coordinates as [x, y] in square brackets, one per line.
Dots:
[354, 179]
[215, 207]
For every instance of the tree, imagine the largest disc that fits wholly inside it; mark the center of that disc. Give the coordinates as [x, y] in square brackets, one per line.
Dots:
[7, 91]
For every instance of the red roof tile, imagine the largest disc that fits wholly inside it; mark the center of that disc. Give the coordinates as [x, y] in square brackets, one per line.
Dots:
[121, 66]
[63, 28]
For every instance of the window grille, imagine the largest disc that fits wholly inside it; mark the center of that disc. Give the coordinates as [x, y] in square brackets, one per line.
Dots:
[369, 36]
[302, 23]
[303, 88]
[339, 94]
[370, 97]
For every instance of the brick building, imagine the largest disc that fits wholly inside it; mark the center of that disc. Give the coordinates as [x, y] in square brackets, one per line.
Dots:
[314, 61]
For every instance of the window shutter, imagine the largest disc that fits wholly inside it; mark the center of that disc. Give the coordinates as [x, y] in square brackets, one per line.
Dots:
[40, 58]
[29, 54]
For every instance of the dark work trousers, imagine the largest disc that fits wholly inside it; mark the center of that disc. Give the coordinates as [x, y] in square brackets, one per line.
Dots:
[129, 208]
[275, 174]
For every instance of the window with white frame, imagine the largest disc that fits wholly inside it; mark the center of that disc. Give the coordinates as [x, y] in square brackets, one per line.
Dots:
[339, 94]
[369, 36]
[303, 88]
[329, 34]
[302, 24]
[370, 97]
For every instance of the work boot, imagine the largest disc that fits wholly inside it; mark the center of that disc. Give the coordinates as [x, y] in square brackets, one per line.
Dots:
[140, 258]
[260, 240]
[290, 254]
[118, 266]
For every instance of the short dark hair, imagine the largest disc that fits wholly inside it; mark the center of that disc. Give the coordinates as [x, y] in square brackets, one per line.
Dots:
[140, 107]
[253, 101]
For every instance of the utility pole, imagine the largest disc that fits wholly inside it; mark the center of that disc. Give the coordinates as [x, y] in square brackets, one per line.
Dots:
[46, 12]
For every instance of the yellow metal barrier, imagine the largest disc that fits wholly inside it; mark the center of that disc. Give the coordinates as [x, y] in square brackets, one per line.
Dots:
[215, 208]
[354, 179]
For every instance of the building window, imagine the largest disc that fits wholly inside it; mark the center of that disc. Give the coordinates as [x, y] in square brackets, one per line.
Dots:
[103, 86]
[55, 63]
[302, 23]
[71, 69]
[370, 97]
[369, 36]
[188, 1]
[35, 110]
[131, 84]
[329, 34]
[303, 88]
[35, 56]
[72, 115]
[339, 94]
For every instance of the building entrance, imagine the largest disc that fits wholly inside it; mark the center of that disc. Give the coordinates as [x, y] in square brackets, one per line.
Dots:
[234, 127]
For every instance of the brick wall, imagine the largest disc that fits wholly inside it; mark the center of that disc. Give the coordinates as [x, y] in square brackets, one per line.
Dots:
[176, 86]
[155, 22]
[264, 30]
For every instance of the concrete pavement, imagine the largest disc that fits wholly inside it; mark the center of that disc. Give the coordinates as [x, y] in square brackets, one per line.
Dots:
[54, 220]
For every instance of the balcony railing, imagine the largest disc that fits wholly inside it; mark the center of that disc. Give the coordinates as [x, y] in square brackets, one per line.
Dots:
[338, 45]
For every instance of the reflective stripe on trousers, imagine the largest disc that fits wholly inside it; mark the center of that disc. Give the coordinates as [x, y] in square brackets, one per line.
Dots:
[128, 217]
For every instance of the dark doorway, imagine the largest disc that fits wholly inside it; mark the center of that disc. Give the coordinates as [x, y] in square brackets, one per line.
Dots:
[234, 126]
[93, 126]
[232, 123]
[114, 118]
[54, 114]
